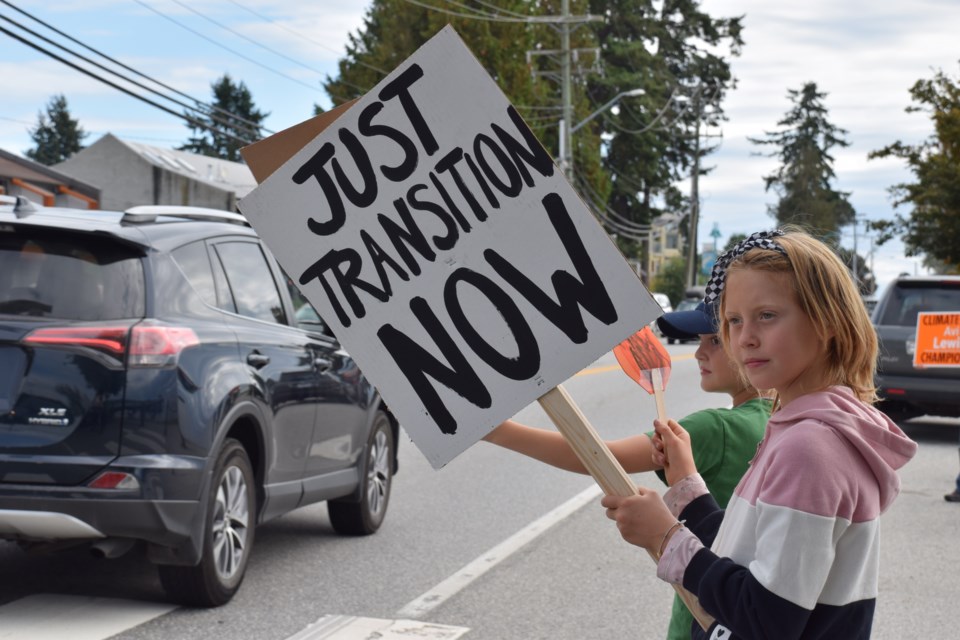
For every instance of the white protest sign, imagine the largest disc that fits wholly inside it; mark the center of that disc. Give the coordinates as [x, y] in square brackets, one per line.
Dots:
[448, 254]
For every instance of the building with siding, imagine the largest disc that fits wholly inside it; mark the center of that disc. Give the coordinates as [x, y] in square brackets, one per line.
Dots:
[130, 174]
[45, 185]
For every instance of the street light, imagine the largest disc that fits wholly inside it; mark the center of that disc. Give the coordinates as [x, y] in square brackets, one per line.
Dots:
[566, 133]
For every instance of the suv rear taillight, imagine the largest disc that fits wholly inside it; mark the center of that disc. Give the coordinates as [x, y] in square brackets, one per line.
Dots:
[111, 340]
[146, 345]
[159, 345]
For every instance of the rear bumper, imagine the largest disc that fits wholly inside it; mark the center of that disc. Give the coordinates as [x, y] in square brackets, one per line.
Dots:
[917, 395]
[165, 510]
[47, 519]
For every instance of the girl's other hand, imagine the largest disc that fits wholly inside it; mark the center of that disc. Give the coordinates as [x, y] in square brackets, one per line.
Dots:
[642, 518]
[676, 455]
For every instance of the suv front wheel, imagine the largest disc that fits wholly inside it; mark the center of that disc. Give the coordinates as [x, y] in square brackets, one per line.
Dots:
[228, 536]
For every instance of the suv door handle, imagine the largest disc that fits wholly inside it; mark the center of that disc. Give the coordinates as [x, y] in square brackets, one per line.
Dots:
[322, 364]
[258, 360]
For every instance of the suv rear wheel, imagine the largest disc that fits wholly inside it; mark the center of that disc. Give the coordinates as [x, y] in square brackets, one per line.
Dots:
[363, 517]
[227, 539]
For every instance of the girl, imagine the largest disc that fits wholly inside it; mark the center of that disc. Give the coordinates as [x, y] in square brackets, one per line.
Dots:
[723, 439]
[796, 554]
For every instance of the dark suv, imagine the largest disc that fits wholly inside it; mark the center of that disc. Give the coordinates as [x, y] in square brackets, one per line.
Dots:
[906, 391]
[163, 383]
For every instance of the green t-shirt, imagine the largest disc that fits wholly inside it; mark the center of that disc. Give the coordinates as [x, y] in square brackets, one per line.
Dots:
[723, 442]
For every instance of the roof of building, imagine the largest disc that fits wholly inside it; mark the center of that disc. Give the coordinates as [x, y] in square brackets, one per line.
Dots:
[231, 176]
[14, 166]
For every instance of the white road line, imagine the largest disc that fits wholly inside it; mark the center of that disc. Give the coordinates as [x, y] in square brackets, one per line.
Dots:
[47, 616]
[449, 587]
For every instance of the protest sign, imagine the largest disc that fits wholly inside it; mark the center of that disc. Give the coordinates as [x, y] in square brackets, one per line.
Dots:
[938, 340]
[449, 255]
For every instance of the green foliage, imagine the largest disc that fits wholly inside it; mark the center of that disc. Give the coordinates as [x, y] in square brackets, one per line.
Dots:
[646, 146]
[394, 29]
[57, 136]
[733, 241]
[933, 227]
[675, 57]
[866, 281]
[233, 122]
[804, 178]
[672, 279]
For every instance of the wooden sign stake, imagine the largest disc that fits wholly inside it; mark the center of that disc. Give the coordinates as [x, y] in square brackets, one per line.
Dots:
[603, 466]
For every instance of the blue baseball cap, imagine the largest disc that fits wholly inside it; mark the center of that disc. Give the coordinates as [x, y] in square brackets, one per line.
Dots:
[687, 325]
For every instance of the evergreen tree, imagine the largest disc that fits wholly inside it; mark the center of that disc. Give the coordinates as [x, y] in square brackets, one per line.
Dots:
[233, 123]
[674, 57]
[519, 54]
[394, 29]
[933, 227]
[57, 136]
[616, 169]
[804, 178]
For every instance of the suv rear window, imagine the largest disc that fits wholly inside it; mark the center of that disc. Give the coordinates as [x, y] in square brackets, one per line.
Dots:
[907, 299]
[69, 277]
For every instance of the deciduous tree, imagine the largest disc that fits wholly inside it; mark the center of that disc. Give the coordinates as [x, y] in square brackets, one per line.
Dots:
[933, 226]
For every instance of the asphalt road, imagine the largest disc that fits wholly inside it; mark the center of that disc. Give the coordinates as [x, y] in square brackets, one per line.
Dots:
[569, 576]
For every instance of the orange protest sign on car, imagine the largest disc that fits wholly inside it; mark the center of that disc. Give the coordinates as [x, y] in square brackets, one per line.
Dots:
[938, 340]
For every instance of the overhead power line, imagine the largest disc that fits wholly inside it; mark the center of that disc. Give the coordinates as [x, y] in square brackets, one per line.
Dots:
[253, 131]
[245, 37]
[87, 72]
[224, 47]
[200, 105]
[280, 25]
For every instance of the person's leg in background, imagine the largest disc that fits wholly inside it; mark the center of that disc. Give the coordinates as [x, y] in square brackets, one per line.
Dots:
[955, 496]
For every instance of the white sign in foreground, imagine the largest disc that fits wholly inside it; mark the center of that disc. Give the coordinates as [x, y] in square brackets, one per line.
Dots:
[450, 257]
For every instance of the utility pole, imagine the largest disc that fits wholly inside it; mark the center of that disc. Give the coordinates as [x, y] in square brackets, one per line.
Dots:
[695, 190]
[565, 24]
[856, 278]
[566, 136]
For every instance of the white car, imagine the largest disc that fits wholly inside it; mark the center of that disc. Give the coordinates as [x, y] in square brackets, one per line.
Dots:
[664, 301]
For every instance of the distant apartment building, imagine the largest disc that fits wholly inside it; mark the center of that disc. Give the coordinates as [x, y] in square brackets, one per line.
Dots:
[665, 242]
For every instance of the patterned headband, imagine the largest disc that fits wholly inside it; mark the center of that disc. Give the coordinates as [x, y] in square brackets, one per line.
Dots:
[758, 240]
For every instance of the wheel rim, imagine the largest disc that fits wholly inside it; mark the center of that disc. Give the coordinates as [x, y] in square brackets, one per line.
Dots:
[378, 473]
[231, 520]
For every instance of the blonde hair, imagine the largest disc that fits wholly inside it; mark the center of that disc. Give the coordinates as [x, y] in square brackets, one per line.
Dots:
[829, 297]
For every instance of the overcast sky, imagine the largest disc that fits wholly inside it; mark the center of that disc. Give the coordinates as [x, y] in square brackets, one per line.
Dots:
[864, 55]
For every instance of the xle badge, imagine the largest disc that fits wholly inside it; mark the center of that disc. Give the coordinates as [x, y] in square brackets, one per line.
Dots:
[50, 416]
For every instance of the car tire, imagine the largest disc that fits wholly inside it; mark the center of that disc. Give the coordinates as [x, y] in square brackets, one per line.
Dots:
[671, 341]
[364, 516]
[227, 536]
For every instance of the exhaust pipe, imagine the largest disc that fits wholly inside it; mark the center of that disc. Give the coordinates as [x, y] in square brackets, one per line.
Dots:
[111, 547]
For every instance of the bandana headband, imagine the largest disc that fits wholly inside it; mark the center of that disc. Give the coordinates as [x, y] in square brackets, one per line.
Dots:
[718, 276]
